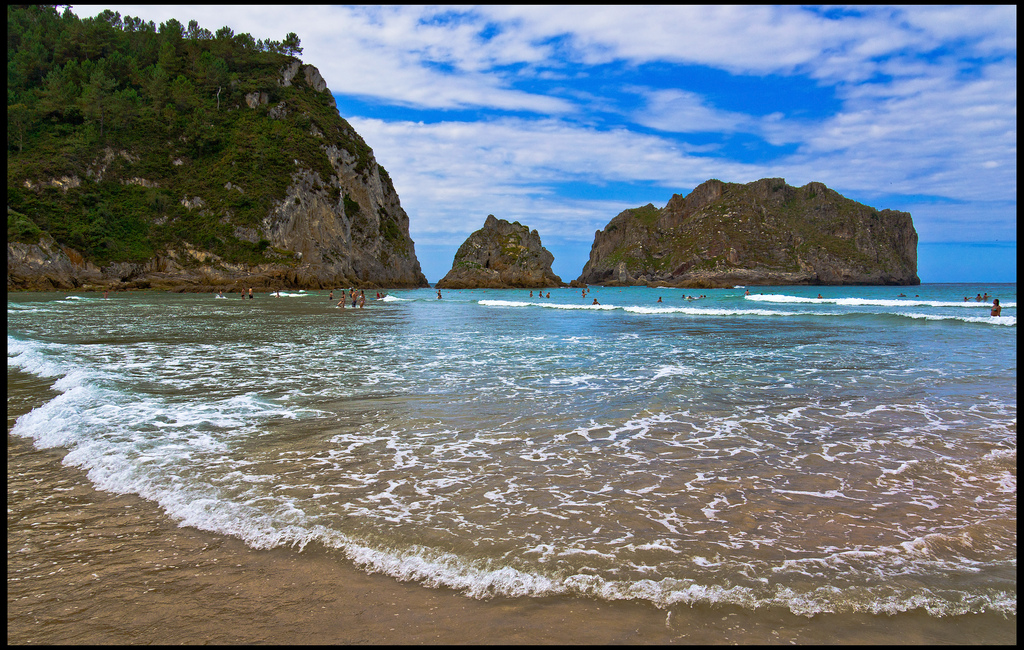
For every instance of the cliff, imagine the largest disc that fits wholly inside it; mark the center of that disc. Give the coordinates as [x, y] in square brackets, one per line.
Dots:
[176, 159]
[501, 255]
[765, 232]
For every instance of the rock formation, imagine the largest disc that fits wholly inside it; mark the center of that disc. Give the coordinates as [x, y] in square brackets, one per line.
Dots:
[501, 255]
[311, 209]
[765, 232]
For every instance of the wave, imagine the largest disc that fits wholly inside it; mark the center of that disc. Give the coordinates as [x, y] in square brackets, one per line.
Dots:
[872, 302]
[1010, 321]
[130, 461]
[133, 444]
[549, 305]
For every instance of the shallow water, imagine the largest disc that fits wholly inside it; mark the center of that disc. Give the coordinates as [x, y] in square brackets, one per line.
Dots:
[853, 455]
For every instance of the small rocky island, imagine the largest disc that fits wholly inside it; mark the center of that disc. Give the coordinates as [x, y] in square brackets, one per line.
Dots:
[501, 255]
[765, 232]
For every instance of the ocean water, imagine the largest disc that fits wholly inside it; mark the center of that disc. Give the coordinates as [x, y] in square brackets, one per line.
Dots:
[850, 454]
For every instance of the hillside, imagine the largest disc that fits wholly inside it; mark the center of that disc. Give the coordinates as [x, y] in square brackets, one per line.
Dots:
[172, 157]
[765, 232]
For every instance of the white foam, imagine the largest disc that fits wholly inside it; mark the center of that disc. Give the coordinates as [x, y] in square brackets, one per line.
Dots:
[709, 311]
[1009, 321]
[36, 358]
[875, 302]
[547, 305]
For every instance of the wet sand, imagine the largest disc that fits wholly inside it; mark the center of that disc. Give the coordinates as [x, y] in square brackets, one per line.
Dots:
[86, 566]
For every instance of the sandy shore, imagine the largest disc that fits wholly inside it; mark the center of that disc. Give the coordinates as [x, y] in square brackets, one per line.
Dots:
[86, 566]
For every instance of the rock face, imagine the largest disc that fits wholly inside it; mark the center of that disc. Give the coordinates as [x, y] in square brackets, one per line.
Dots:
[338, 225]
[765, 232]
[501, 255]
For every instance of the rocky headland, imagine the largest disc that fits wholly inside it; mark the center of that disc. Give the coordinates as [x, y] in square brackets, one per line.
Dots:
[501, 255]
[241, 173]
[760, 233]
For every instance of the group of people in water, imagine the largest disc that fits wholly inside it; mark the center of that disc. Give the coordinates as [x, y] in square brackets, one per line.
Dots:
[997, 310]
[358, 299]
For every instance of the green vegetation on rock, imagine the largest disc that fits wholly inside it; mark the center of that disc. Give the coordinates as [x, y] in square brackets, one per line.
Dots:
[127, 139]
[765, 232]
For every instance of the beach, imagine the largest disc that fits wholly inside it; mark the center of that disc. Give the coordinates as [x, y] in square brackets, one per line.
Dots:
[92, 561]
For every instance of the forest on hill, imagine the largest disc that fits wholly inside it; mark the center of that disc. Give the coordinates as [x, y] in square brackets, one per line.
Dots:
[111, 121]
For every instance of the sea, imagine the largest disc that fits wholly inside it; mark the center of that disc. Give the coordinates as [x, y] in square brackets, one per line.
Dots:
[828, 454]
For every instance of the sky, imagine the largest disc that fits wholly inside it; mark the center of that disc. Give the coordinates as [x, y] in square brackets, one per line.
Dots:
[561, 117]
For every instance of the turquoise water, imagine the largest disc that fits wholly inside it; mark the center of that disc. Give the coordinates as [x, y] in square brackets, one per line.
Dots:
[853, 453]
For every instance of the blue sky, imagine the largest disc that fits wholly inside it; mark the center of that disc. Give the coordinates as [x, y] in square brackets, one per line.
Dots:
[562, 117]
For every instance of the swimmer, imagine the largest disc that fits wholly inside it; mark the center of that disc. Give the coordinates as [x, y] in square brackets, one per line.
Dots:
[595, 302]
[996, 309]
[439, 294]
[659, 298]
[362, 298]
[331, 297]
[250, 293]
[819, 297]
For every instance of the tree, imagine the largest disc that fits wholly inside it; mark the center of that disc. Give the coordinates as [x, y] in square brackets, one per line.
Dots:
[291, 44]
[183, 92]
[60, 92]
[125, 107]
[19, 117]
[97, 96]
[157, 86]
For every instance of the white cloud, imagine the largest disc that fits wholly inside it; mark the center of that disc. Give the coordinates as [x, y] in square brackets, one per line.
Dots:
[926, 95]
[448, 171]
[681, 111]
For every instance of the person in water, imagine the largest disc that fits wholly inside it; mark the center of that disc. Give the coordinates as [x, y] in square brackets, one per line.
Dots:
[996, 309]
[596, 302]
[438, 294]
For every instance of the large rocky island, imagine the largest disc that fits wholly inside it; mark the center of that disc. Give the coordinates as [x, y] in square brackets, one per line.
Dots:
[501, 255]
[765, 232]
[176, 158]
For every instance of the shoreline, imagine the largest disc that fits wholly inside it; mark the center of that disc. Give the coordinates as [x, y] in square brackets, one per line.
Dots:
[145, 580]
[86, 566]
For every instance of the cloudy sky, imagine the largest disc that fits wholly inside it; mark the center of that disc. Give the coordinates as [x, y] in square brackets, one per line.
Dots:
[562, 117]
